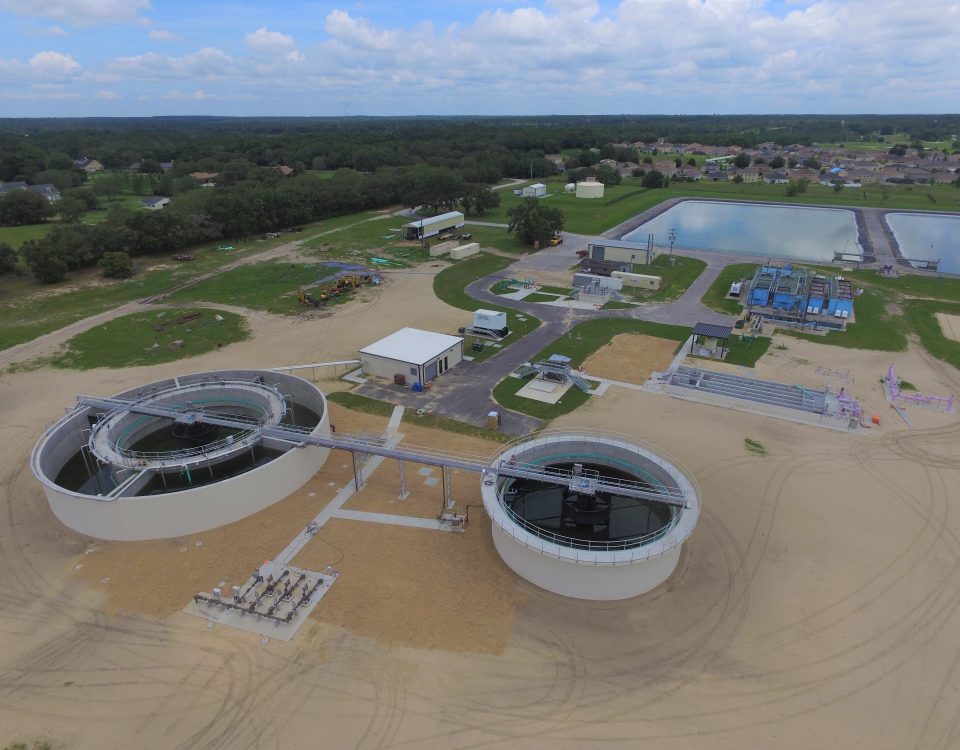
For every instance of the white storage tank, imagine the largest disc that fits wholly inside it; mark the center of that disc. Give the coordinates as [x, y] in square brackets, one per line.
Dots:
[570, 187]
[589, 189]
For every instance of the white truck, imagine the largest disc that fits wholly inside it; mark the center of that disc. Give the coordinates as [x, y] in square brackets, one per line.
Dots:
[489, 323]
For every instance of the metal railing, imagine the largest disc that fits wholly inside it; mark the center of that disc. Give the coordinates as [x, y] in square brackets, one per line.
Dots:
[592, 546]
[134, 458]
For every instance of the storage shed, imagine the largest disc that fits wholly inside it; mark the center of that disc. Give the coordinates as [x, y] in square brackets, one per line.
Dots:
[589, 189]
[537, 190]
[419, 356]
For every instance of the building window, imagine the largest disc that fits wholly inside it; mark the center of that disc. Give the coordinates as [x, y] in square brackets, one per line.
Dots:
[413, 370]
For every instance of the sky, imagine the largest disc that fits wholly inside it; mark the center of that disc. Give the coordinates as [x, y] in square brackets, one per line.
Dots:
[70, 58]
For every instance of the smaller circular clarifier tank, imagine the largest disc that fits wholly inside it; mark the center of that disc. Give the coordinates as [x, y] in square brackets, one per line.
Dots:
[589, 515]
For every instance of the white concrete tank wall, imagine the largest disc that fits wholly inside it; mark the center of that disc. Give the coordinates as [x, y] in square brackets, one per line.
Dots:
[594, 582]
[187, 511]
[595, 571]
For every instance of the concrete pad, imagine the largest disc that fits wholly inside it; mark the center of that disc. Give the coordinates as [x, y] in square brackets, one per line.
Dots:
[547, 397]
[546, 386]
[256, 622]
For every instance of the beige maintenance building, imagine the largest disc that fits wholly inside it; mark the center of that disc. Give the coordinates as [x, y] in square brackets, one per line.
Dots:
[419, 356]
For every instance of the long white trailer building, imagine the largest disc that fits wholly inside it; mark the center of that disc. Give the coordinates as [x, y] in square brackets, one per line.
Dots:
[435, 226]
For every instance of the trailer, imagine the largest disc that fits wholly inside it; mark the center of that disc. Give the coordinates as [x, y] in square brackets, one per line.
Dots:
[443, 225]
[488, 323]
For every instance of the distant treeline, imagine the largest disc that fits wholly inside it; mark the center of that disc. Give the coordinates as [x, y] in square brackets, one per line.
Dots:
[481, 149]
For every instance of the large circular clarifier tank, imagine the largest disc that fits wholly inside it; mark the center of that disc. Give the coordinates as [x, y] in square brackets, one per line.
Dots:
[589, 515]
[149, 464]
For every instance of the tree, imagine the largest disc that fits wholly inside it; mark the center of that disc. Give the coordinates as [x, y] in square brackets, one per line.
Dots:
[24, 207]
[607, 175]
[111, 185]
[691, 162]
[116, 265]
[8, 258]
[44, 264]
[70, 209]
[777, 162]
[792, 162]
[741, 160]
[812, 162]
[654, 179]
[485, 198]
[898, 149]
[532, 221]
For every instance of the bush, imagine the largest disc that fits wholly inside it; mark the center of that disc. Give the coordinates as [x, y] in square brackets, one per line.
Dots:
[117, 265]
[8, 258]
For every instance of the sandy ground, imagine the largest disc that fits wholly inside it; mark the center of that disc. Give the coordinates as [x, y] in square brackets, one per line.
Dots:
[815, 605]
[631, 358]
[950, 325]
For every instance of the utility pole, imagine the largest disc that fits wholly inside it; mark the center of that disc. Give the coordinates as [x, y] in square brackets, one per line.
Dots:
[672, 235]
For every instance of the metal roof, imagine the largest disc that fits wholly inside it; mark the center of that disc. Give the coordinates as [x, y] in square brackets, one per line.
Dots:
[412, 345]
[436, 219]
[712, 330]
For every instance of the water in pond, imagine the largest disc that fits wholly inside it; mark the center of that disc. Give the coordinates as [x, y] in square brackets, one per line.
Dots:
[928, 237]
[605, 517]
[755, 229]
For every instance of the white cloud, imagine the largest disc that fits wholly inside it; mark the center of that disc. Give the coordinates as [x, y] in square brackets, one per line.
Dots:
[569, 56]
[161, 35]
[54, 64]
[103, 94]
[53, 31]
[79, 12]
[208, 62]
[270, 42]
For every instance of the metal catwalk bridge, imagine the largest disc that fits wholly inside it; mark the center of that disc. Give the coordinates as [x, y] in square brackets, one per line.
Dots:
[360, 446]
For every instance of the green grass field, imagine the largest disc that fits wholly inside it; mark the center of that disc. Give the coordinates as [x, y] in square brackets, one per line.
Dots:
[16, 236]
[578, 344]
[934, 287]
[747, 353]
[876, 328]
[921, 318]
[449, 286]
[271, 287]
[676, 278]
[715, 296]
[150, 338]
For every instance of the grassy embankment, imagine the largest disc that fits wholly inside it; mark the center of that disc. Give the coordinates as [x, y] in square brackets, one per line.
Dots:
[29, 309]
[578, 344]
[150, 338]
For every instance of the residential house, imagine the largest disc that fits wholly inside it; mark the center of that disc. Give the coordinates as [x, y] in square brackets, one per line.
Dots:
[48, 191]
[166, 166]
[748, 174]
[89, 166]
[205, 178]
[776, 177]
[804, 173]
[864, 176]
[135, 167]
[9, 187]
[155, 202]
[285, 170]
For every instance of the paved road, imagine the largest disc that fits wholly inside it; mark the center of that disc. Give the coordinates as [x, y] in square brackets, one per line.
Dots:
[465, 392]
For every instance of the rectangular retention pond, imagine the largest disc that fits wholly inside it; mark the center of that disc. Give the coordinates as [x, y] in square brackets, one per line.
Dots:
[801, 232]
[928, 237]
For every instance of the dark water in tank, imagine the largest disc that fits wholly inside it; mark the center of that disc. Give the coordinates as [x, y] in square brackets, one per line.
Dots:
[84, 475]
[605, 518]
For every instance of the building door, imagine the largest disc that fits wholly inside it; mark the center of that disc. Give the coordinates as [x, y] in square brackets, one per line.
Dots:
[599, 251]
[430, 372]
